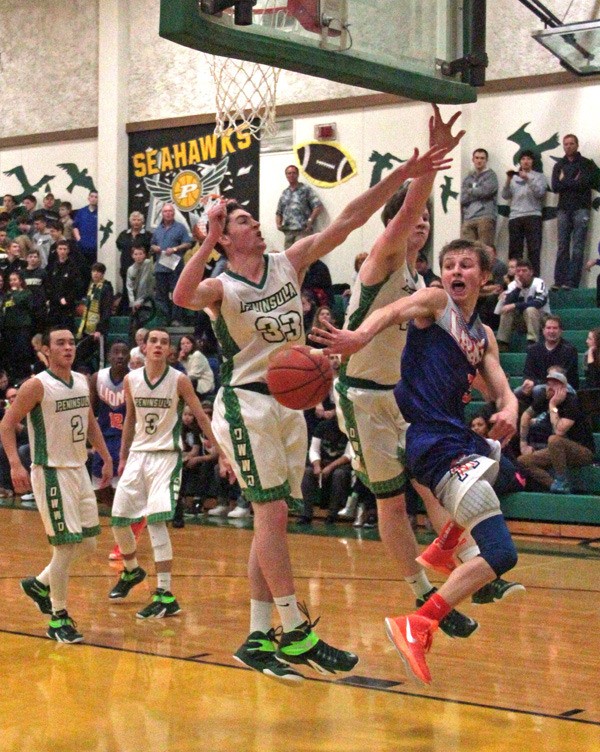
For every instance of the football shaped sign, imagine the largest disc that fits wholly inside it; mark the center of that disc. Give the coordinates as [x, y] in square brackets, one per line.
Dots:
[325, 164]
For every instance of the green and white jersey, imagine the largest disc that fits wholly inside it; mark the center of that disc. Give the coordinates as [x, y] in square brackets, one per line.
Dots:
[256, 320]
[58, 425]
[158, 410]
[378, 363]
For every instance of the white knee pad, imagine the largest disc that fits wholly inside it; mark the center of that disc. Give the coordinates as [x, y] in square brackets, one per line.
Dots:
[161, 543]
[478, 503]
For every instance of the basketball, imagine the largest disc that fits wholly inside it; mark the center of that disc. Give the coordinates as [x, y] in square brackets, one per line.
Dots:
[299, 377]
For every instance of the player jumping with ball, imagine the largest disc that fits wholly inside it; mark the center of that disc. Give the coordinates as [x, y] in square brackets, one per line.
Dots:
[257, 310]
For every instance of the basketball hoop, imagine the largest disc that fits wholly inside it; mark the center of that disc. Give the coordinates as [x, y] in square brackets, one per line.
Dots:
[245, 96]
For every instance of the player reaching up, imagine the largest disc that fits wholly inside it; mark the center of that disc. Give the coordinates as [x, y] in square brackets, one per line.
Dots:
[257, 310]
[446, 346]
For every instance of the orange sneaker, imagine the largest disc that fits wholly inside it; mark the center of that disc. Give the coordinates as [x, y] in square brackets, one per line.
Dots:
[411, 636]
[115, 554]
[439, 559]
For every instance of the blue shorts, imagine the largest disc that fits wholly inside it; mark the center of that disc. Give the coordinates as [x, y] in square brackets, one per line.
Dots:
[113, 444]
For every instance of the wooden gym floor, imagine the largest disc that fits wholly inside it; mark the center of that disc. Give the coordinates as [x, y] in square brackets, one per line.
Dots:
[526, 681]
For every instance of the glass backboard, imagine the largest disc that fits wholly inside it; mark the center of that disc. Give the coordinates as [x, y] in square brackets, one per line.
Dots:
[577, 45]
[392, 46]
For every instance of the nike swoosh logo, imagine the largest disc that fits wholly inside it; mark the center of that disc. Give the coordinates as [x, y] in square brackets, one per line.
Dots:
[409, 636]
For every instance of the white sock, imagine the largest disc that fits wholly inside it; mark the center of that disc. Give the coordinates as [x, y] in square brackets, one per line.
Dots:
[126, 541]
[289, 613]
[419, 583]
[261, 613]
[59, 575]
[44, 576]
[163, 580]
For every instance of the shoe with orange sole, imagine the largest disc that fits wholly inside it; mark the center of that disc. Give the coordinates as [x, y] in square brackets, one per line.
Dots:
[439, 559]
[137, 529]
[412, 636]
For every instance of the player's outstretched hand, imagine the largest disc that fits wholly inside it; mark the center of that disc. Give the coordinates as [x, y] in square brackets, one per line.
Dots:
[440, 133]
[107, 474]
[504, 426]
[337, 341]
[433, 160]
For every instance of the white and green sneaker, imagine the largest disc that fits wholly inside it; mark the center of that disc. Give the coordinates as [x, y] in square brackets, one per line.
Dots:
[258, 653]
[163, 604]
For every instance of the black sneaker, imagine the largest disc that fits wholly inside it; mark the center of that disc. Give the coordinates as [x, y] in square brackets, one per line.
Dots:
[302, 645]
[163, 604]
[258, 653]
[126, 582]
[39, 594]
[455, 624]
[496, 591]
[62, 628]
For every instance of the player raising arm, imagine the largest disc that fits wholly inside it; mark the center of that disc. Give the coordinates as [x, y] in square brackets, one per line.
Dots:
[446, 346]
[257, 310]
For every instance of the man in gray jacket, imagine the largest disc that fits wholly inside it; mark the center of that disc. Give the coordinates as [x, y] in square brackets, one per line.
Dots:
[525, 189]
[478, 196]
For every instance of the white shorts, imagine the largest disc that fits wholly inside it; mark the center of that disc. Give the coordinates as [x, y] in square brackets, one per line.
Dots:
[376, 429]
[265, 442]
[66, 502]
[149, 488]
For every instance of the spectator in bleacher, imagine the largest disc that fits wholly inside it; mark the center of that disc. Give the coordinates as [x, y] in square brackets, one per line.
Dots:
[17, 322]
[322, 314]
[170, 240]
[35, 277]
[14, 261]
[95, 317]
[85, 232]
[65, 216]
[135, 236]
[62, 286]
[42, 240]
[422, 265]
[592, 360]
[328, 476]
[6, 486]
[140, 345]
[572, 180]
[25, 245]
[525, 189]
[56, 231]
[3, 241]
[139, 284]
[317, 281]
[491, 291]
[196, 365]
[50, 206]
[552, 350]
[478, 195]
[522, 305]
[25, 225]
[30, 204]
[309, 308]
[40, 361]
[555, 417]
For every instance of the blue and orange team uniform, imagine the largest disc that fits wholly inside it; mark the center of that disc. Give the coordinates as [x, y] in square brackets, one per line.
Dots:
[439, 365]
[111, 415]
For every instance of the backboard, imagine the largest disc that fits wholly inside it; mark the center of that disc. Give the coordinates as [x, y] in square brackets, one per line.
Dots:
[577, 46]
[392, 46]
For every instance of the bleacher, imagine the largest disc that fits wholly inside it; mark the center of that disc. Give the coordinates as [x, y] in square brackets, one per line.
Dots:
[556, 514]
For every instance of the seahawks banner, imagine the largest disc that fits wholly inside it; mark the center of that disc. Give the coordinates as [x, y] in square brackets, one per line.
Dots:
[191, 168]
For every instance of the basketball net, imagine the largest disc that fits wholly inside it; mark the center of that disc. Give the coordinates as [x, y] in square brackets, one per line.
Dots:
[245, 96]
